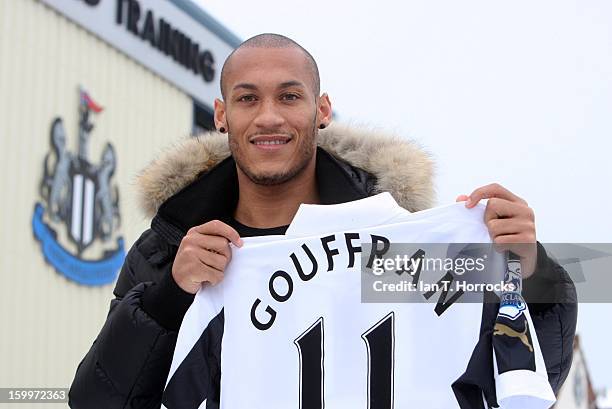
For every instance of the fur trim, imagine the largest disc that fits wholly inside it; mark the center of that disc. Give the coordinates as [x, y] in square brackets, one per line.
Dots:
[402, 167]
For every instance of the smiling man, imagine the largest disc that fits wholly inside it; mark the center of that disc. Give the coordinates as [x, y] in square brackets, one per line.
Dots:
[271, 111]
[275, 150]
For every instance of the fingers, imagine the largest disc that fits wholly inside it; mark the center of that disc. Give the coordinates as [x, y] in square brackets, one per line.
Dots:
[207, 256]
[511, 231]
[501, 208]
[213, 260]
[510, 222]
[517, 235]
[461, 198]
[213, 252]
[201, 273]
[203, 255]
[218, 228]
[208, 274]
[494, 190]
[215, 244]
[194, 266]
[519, 245]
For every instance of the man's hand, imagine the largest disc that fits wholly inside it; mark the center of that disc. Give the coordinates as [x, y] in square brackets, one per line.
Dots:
[203, 255]
[511, 223]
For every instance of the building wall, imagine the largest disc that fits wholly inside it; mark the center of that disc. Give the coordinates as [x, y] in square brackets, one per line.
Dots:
[574, 393]
[49, 322]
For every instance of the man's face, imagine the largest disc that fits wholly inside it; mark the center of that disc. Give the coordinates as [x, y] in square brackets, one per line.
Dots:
[270, 112]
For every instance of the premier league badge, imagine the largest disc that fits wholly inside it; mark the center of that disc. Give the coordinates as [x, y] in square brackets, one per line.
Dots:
[80, 205]
[512, 303]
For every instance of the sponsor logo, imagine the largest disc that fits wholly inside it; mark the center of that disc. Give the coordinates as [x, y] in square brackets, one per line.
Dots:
[501, 329]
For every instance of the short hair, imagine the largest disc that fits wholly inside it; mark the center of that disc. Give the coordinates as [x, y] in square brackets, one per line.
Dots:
[271, 40]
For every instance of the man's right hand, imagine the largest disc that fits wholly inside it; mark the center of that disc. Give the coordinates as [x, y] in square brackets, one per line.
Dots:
[203, 255]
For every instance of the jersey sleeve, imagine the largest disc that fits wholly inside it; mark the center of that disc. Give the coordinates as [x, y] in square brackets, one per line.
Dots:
[195, 373]
[507, 368]
[521, 380]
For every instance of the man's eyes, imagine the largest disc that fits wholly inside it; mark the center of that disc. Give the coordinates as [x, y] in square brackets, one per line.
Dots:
[284, 97]
[290, 97]
[247, 98]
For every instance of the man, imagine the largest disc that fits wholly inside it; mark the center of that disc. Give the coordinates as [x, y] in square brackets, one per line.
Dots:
[203, 204]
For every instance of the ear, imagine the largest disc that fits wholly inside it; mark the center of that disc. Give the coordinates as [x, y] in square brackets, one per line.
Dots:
[219, 107]
[324, 110]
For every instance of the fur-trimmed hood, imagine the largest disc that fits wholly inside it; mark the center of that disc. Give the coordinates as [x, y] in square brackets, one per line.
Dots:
[401, 167]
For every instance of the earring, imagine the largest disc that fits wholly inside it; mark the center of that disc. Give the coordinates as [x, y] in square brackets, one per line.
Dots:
[322, 126]
[222, 130]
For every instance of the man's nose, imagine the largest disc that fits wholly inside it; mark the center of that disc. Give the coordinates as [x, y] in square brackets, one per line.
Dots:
[269, 116]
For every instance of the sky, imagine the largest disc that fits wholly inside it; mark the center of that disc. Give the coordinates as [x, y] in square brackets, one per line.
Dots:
[518, 93]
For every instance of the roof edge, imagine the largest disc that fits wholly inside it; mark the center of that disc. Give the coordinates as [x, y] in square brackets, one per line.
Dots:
[198, 14]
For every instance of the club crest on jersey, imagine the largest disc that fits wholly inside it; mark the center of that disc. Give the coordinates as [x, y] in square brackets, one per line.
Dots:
[80, 205]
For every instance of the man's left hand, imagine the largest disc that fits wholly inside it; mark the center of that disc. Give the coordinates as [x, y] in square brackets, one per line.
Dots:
[511, 223]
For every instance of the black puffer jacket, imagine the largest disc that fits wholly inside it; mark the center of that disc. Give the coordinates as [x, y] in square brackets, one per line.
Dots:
[128, 363]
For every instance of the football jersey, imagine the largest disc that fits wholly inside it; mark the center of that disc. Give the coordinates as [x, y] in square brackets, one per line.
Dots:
[293, 331]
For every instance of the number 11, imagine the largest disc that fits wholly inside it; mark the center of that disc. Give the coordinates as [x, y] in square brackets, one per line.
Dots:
[380, 345]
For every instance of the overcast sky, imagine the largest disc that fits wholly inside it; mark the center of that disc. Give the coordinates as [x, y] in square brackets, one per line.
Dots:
[518, 93]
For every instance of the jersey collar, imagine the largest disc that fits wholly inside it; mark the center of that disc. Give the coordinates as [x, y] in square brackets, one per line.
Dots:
[371, 211]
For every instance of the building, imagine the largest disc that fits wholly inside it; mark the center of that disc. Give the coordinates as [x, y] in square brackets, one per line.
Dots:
[91, 91]
[577, 391]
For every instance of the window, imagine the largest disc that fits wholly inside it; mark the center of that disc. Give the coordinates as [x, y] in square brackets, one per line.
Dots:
[203, 119]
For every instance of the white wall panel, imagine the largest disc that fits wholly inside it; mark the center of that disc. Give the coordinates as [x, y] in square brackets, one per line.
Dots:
[47, 321]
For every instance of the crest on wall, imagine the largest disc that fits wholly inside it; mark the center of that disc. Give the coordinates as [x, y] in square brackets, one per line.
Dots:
[80, 204]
